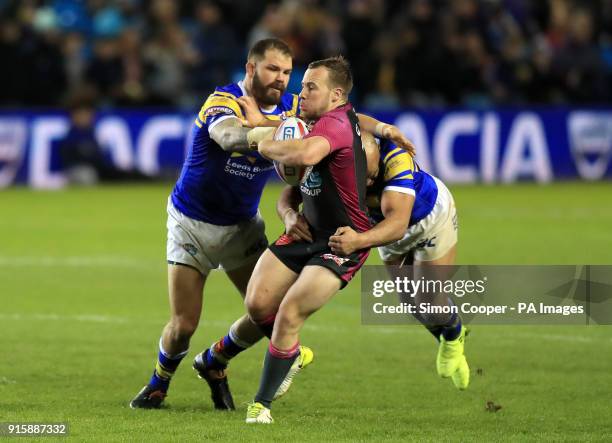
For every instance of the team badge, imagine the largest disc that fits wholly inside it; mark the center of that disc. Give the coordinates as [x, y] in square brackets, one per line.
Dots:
[191, 249]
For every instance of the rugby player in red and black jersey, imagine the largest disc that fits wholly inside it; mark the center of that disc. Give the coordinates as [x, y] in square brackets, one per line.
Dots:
[294, 279]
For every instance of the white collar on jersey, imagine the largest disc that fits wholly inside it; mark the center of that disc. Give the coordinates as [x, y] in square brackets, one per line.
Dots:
[267, 110]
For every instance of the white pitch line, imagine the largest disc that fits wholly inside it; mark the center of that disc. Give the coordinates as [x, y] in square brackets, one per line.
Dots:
[79, 262]
[96, 318]
[554, 337]
[62, 318]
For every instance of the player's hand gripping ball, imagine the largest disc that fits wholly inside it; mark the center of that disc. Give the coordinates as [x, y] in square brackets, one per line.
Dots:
[291, 128]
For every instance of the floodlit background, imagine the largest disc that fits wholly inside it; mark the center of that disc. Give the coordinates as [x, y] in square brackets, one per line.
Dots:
[508, 101]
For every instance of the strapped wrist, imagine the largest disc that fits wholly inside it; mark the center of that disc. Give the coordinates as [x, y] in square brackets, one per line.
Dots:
[285, 212]
[380, 129]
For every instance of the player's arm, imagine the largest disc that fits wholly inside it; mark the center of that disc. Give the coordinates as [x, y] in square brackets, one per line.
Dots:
[396, 207]
[289, 200]
[230, 135]
[233, 137]
[288, 210]
[296, 152]
[386, 131]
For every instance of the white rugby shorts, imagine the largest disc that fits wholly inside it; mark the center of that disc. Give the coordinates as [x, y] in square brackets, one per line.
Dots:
[205, 246]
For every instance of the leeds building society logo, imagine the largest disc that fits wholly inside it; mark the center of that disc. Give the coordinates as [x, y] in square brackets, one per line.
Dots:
[590, 139]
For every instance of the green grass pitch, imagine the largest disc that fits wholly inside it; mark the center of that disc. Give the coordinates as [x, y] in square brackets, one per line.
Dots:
[83, 300]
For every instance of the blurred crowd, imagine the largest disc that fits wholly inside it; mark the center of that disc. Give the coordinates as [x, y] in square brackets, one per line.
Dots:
[404, 53]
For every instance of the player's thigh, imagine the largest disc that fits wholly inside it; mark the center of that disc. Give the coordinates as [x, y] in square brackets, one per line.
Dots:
[185, 286]
[441, 249]
[270, 281]
[448, 259]
[240, 276]
[408, 266]
[188, 241]
[239, 253]
[315, 286]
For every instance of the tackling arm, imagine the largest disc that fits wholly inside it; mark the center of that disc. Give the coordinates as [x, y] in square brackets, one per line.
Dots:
[396, 207]
[231, 135]
[387, 131]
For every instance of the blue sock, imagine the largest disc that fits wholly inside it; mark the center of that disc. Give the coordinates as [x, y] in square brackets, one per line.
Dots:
[452, 329]
[221, 352]
[165, 368]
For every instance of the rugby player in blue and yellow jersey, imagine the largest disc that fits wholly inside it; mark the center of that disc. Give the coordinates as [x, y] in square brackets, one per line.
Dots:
[213, 220]
[415, 223]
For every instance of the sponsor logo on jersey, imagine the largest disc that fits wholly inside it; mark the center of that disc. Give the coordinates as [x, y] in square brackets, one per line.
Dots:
[338, 260]
[238, 165]
[214, 110]
[312, 185]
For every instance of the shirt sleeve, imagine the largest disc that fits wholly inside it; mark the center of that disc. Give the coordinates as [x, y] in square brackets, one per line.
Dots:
[399, 171]
[337, 132]
[216, 109]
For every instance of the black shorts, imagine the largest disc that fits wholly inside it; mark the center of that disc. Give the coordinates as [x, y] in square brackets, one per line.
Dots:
[298, 254]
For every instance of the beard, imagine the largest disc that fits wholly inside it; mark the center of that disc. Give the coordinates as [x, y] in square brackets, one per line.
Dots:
[267, 95]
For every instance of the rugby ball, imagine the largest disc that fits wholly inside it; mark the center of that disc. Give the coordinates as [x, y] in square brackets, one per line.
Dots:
[291, 128]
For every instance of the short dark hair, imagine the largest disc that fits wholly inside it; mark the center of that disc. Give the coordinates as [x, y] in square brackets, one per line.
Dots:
[339, 72]
[258, 50]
